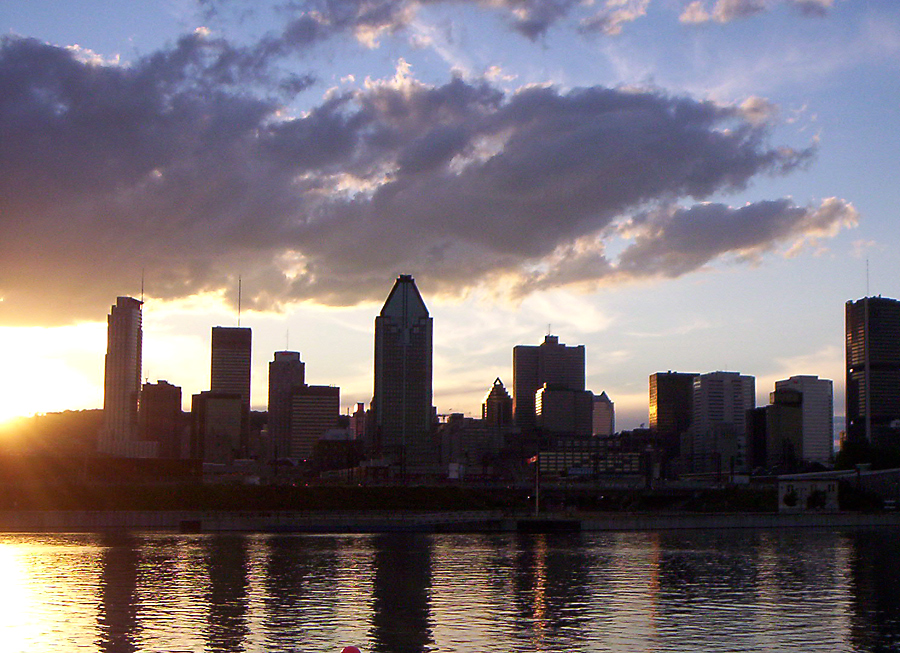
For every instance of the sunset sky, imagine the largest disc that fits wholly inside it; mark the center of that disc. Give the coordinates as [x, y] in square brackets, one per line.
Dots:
[677, 185]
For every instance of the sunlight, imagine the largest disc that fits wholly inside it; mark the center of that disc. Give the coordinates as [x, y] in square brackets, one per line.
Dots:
[51, 369]
[16, 624]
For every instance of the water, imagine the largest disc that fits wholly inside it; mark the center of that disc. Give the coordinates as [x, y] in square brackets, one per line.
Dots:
[692, 591]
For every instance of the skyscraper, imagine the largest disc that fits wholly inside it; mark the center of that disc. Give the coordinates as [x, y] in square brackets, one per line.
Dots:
[160, 418]
[403, 378]
[497, 407]
[872, 327]
[817, 409]
[230, 370]
[604, 416]
[671, 408]
[718, 432]
[314, 410]
[286, 373]
[550, 363]
[122, 379]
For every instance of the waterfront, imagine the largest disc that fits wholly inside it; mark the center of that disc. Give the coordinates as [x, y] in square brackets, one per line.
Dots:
[702, 590]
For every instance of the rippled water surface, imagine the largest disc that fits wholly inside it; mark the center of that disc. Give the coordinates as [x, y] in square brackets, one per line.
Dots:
[693, 591]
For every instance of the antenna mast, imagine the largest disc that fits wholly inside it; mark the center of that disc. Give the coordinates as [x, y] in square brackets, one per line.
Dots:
[239, 301]
[142, 285]
[867, 276]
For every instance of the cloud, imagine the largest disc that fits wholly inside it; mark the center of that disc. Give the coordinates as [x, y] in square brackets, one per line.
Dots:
[166, 166]
[725, 11]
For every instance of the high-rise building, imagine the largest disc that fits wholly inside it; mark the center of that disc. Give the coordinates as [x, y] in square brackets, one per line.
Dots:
[216, 427]
[817, 408]
[122, 379]
[314, 410]
[604, 416]
[872, 327]
[549, 363]
[160, 418]
[401, 403]
[230, 371]
[671, 408]
[497, 407]
[718, 433]
[560, 411]
[286, 373]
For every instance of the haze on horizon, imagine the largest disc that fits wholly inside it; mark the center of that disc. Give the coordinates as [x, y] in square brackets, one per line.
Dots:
[676, 185]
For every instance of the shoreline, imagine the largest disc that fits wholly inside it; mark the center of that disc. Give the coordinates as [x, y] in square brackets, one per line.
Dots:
[245, 521]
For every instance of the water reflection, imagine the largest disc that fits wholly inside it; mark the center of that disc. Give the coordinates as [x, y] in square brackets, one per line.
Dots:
[698, 591]
[225, 558]
[117, 620]
[400, 596]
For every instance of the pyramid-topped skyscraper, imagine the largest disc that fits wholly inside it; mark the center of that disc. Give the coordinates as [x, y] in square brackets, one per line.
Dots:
[403, 379]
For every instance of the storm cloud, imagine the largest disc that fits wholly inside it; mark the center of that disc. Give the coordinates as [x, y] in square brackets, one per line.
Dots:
[173, 167]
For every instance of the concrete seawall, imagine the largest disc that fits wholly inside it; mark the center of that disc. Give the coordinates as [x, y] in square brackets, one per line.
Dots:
[433, 522]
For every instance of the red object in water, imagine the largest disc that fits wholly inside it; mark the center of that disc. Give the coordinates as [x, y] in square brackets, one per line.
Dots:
[350, 649]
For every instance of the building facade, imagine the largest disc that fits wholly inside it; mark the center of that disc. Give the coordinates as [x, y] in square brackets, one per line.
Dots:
[122, 378]
[817, 407]
[671, 408]
[604, 416]
[402, 398]
[230, 371]
[286, 373]
[551, 363]
[497, 409]
[872, 329]
[160, 419]
[314, 411]
[717, 438]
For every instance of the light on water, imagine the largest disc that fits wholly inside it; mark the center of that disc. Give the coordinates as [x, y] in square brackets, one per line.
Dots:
[688, 591]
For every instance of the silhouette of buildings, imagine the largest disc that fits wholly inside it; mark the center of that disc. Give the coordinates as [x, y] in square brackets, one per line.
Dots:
[122, 381]
[314, 411]
[497, 409]
[230, 371]
[160, 419]
[563, 411]
[872, 327]
[671, 408]
[604, 416]
[403, 414]
[552, 364]
[717, 438]
[216, 427]
[286, 373]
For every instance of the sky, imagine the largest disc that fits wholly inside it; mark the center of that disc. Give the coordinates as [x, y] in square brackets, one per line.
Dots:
[691, 185]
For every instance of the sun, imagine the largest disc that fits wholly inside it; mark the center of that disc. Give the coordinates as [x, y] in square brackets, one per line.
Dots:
[51, 369]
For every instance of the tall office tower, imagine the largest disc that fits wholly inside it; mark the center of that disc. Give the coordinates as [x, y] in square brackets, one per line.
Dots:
[122, 382]
[549, 363]
[497, 407]
[160, 418]
[286, 373]
[817, 408]
[873, 369]
[719, 427]
[230, 371]
[216, 427]
[314, 410]
[671, 408]
[604, 416]
[403, 390]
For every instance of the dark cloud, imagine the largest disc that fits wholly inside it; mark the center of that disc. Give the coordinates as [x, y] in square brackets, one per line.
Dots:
[108, 170]
[724, 11]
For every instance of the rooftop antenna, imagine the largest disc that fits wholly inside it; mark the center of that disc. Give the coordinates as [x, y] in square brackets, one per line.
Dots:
[867, 276]
[287, 339]
[142, 285]
[239, 301]
[549, 330]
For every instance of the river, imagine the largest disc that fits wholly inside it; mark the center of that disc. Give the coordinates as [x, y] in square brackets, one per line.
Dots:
[744, 590]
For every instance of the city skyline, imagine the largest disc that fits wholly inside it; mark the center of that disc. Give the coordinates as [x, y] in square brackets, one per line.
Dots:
[669, 183]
